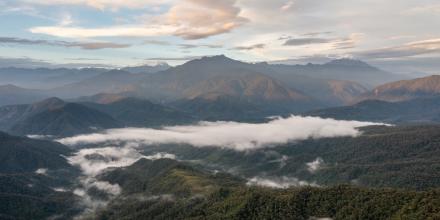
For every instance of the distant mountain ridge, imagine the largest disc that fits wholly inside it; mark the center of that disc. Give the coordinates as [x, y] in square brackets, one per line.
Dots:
[45, 78]
[147, 68]
[54, 117]
[406, 89]
[302, 87]
[13, 95]
[419, 110]
[133, 112]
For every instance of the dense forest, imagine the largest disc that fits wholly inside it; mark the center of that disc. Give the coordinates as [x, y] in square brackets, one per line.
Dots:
[182, 192]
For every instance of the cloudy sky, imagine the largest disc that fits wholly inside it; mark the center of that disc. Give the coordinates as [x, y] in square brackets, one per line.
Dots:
[131, 32]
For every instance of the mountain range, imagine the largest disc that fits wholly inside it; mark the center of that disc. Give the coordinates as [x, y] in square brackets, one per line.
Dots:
[54, 117]
[420, 110]
[335, 83]
[406, 89]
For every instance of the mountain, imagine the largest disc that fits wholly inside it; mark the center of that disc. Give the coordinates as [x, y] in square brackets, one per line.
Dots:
[211, 78]
[406, 89]
[19, 154]
[167, 189]
[250, 86]
[135, 112]
[346, 91]
[45, 78]
[53, 117]
[113, 81]
[225, 108]
[101, 98]
[218, 75]
[166, 176]
[12, 95]
[420, 110]
[147, 68]
[30, 172]
[341, 69]
[304, 87]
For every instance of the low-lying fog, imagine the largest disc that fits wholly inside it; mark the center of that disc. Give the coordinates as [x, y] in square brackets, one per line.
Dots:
[121, 147]
[232, 135]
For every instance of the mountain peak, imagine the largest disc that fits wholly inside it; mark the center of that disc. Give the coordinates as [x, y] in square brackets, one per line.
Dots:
[217, 58]
[10, 87]
[348, 62]
[50, 103]
[407, 89]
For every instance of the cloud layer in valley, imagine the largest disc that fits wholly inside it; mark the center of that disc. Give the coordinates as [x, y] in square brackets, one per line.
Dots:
[278, 182]
[95, 161]
[232, 135]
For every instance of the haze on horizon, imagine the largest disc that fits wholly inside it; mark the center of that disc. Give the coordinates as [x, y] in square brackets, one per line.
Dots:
[397, 36]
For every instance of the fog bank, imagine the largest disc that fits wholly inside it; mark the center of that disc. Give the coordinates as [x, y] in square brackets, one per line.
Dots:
[232, 135]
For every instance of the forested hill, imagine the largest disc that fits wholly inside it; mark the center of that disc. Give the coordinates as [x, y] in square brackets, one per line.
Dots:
[166, 189]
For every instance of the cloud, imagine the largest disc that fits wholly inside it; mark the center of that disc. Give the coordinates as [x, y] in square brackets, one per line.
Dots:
[95, 161]
[434, 8]
[190, 46]
[278, 182]
[251, 47]
[160, 155]
[113, 31]
[157, 42]
[287, 5]
[335, 43]
[306, 41]
[26, 62]
[189, 19]
[184, 58]
[40, 137]
[407, 50]
[41, 171]
[182, 46]
[101, 4]
[197, 19]
[232, 135]
[315, 165]
[82, 45]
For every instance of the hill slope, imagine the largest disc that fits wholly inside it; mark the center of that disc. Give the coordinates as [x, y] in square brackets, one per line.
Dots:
[30, 172]
[13, 95]
[166, 189]
[420, 110]
[406, 89]
[141, 113]
[54, 117]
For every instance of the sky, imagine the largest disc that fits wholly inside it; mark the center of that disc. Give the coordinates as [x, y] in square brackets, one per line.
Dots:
[402, 36]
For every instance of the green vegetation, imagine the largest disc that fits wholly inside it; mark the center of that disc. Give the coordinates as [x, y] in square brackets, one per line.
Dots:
[161, 197]
[26, 194]
[401, 157]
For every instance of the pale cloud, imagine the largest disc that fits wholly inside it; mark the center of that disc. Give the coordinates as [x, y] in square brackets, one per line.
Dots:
[406, 50]
[278, 182]
[287, 5]
[189, 19]
[231, 135]
[82, 45]
[315, 165]
[433, 8]
[197, 19]
[112, 31]
[66, 20]
[251, 47]
[41, 171]
[334, 43]
[101, 4]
